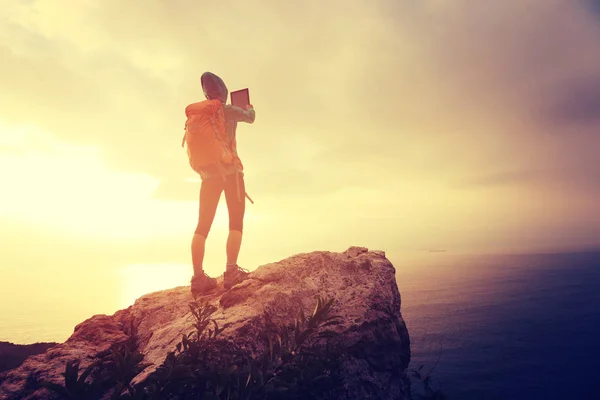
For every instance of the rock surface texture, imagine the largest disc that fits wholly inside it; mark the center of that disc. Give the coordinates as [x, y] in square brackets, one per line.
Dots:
[12, 355]
[362, 282]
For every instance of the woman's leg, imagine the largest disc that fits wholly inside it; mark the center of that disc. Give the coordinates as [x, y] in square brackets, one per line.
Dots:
[236, 206]
[210, 193]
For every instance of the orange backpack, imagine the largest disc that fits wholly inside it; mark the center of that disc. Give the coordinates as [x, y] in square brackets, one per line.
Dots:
[205, 135]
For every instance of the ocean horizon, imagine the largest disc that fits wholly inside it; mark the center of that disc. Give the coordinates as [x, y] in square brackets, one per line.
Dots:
[513, 327]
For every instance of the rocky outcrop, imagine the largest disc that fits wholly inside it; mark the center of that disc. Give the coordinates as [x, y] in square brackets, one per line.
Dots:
[12, 355]
[373, 334]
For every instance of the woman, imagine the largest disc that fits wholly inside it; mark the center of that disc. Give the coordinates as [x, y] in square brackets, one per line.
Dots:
[218, 178]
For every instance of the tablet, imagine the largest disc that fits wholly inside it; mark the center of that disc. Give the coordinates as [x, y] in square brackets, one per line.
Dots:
[240, 98]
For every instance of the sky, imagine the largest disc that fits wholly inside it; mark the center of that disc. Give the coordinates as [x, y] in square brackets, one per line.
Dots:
[405, 126]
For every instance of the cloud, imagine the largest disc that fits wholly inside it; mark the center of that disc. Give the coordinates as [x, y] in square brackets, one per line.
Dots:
[551, 178]
[520, 83]
[579, 104]
[499, 59]
[386, 96]
[118, 76]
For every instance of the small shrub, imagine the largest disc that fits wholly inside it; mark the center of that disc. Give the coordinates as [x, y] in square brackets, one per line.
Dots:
[113, 370]
[76, 386]
[300, 362]
[205, 366]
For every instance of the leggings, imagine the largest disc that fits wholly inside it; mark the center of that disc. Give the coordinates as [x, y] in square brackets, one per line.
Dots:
[210, 194]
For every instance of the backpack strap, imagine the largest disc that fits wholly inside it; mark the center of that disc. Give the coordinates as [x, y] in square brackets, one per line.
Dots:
[237, 185]
[184, 134]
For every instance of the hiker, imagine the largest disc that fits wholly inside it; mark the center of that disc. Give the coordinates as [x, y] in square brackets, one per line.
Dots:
[216, 178]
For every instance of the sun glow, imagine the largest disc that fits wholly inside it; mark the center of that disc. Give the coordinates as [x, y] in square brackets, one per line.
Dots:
[69, 188]
[141, 279]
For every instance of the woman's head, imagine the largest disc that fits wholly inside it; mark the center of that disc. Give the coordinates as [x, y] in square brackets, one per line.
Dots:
[214, 87]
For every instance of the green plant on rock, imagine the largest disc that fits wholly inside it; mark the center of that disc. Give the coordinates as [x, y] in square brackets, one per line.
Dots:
[202, 366]
[124, 365]
[202, 312]
[123, 362]
[113, 370]
[297, 361]
[76, 386]
[294, 366]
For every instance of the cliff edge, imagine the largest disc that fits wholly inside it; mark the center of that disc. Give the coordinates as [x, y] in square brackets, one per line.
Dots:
[372, 335]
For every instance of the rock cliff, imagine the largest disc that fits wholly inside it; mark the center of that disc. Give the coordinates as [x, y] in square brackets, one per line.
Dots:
[12, 355]
[372, 334]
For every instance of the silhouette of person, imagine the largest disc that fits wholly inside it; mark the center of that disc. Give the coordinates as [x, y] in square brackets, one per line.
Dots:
[218, 178]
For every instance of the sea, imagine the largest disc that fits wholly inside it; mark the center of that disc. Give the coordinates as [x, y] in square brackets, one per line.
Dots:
[505, 326]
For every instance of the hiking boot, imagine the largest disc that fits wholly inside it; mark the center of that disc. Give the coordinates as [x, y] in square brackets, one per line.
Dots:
[202, 284]
[234, 276]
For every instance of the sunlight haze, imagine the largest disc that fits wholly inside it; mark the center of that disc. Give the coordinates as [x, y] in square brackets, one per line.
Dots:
[469, 127]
